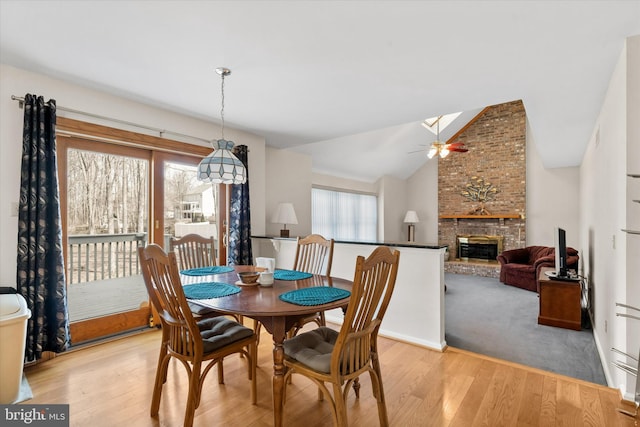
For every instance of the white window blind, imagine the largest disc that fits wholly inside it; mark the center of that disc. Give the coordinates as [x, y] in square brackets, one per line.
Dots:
[344, 216]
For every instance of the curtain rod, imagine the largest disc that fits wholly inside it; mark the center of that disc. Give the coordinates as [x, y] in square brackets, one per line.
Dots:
[161, 132]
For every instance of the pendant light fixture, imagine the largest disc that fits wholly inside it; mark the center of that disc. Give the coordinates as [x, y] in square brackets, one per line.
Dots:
[222, 166]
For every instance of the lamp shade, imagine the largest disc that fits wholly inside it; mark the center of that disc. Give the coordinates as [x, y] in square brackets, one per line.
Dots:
[285, 214]
[222, 166]
[411, 217]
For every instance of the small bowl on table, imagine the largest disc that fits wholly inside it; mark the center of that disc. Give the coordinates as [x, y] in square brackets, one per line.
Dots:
[249, 277]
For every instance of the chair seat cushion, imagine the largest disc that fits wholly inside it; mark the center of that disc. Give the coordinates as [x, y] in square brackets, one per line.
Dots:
[199, 310]
[218, 332]
[312, 348]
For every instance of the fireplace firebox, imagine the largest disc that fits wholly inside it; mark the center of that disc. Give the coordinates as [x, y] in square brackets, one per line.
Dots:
[479, 247]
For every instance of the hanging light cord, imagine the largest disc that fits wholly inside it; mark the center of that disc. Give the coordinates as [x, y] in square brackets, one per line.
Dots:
[222, 109]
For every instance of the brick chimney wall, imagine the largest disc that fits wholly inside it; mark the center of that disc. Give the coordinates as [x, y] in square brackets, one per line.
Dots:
[497, 147]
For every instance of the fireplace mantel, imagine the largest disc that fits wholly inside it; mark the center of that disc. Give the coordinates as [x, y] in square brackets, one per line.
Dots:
[497, 216]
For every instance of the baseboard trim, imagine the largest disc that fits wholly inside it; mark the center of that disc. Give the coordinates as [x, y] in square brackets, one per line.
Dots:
[398, 337]
[601, 353]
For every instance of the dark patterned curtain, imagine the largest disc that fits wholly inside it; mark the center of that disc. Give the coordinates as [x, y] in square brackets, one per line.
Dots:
[240, 217]
[40, 273]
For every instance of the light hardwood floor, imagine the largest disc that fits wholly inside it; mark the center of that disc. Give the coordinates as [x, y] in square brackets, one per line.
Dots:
[110, 384]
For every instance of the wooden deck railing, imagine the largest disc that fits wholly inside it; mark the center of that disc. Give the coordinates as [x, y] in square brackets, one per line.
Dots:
[103, 256]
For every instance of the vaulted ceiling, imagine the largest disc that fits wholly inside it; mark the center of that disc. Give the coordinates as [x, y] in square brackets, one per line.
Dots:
[308, 75]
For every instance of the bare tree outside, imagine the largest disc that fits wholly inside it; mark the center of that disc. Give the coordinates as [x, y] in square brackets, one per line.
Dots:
[106, 197]
[108, 211]
[106, 194]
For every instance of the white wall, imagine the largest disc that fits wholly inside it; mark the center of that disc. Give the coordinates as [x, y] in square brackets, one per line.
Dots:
[552, 199]
[392, 209]
[609, 252]
[18, 82]
[422, 191]
[633, 193]
[289, 180]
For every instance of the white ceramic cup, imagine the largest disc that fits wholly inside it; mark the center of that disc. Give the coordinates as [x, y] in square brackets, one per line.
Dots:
[266, 278]
[268, 263]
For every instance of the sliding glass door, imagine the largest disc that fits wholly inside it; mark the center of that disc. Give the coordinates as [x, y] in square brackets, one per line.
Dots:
[105, 210]
[120, 190]
[190, 206]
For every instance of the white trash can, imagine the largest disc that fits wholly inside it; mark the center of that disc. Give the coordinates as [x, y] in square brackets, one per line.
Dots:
[13, 332]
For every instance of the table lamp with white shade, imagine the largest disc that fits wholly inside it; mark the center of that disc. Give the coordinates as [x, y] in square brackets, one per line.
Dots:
[411, 218]
[285, 214]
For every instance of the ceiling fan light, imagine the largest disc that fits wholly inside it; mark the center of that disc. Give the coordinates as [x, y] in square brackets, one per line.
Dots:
[444, 152]
[432, 152]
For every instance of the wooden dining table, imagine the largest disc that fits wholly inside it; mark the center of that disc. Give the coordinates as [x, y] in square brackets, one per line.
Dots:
[263, 304]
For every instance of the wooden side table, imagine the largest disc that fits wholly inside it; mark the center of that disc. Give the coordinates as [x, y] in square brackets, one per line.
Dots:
[559, 302]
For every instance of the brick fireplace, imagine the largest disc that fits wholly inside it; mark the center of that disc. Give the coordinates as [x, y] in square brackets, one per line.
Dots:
[497, 146]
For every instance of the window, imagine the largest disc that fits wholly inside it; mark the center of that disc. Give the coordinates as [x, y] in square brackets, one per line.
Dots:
[344, 216]
[109, 207]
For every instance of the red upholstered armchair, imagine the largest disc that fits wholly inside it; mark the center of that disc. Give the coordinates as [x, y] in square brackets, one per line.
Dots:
[521, 267]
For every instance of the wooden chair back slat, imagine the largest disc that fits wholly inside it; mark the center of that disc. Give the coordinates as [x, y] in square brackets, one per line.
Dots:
[313, 253]
[194, 251]
[373, 286]
[162, 279]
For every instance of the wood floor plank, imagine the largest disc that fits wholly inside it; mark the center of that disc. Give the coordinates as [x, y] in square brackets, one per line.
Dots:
[475, 395]
[568, 405]
[531, 400]
[590, 401]
[111, 383]
[500, 404]
[548, 403]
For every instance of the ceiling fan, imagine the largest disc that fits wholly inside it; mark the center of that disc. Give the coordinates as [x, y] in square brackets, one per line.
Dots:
[438, 147]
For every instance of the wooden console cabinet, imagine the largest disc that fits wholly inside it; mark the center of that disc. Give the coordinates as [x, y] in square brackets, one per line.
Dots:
[559, 302]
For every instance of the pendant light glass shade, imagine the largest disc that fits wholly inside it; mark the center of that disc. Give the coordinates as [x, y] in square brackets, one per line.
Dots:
[222, 166]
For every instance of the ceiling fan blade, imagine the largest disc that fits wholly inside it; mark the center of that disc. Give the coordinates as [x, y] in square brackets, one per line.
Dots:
[457, 144]
[417, 151]
[458, 149]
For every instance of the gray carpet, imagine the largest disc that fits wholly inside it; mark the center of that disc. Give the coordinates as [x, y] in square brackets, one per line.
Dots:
[485, 316]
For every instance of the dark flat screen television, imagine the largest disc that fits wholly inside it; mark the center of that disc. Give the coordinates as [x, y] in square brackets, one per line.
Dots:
[562, 272]
[561, 253]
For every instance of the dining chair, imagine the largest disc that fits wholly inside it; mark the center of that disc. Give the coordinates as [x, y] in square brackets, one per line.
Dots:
[314, 254]
[339, 358]
[198, 345]
[193, 251]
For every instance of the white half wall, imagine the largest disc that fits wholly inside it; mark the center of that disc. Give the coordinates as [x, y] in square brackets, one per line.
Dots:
[416, 310]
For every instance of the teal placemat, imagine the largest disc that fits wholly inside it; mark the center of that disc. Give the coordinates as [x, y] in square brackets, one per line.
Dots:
[205, 271]
[290, 275]
[209, 290]
[314, 296]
